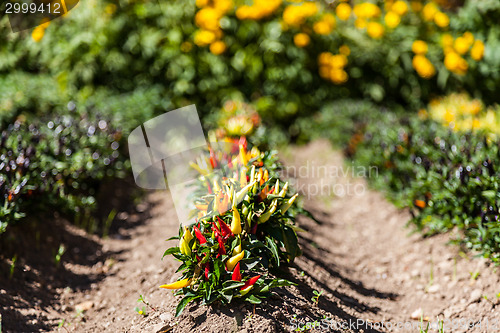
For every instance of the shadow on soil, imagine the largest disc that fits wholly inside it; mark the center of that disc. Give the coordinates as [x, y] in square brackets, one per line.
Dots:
[31, 276]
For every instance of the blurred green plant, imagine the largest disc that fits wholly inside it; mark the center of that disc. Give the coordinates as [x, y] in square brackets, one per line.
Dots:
[448, 178]
[56, 162]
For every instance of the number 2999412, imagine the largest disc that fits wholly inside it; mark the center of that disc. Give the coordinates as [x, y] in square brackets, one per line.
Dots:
[34, 8]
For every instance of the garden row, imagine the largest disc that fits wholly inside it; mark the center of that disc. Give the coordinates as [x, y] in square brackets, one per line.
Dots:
[442, 163]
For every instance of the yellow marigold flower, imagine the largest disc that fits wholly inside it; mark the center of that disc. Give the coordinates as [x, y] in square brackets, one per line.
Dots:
[343, 11]
[223, 6]
[429, 11]
[416, 6]
[301, 40]
[423, 66]
[400, 8]
[375, 30]
[360, 23]
[441, 19]
[338, 61]
[461, 45]
[367, 10]
[38, 33]
[204, 37]
[419, 47]
[469, 37]
[446, 40]
[330, 19]
[294, 15]
[392, 19]
[201, 3]
[208, 18]
[345, 50]
[218, 47]
[477, 51]
[338, 76]
[324, 58]
[310, 8]
[322, 28]
[324, 72]
[455, 63]
[325, 25]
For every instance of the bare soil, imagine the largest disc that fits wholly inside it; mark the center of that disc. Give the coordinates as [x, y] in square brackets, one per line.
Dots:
[359, 255]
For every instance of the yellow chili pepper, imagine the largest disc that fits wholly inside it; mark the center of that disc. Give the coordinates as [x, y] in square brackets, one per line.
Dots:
[231, 262]
[240, 195]
[283, 190]
[178, 284]
[184, 242]
[236, 223]
[237, 250]
[285, 205]
[243, 155]
[265, 216]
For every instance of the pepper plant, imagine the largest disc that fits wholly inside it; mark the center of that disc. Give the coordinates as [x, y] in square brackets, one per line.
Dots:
[244, 229]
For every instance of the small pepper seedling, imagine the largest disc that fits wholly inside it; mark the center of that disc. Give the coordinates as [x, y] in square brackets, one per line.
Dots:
[316, 296]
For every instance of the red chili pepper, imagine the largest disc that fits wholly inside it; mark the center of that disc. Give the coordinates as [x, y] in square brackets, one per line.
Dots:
[254, 229]
[222, 248]
[207, 269]
[209, 187]
[250, 282]
[225, 231]
[213, 159]
[198, 258]
[199, 235]
[216, 229]
[236, 273]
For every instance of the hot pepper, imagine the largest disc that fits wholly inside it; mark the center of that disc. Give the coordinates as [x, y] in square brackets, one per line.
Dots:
[283, 191]
[225, 231]
[237, 250]
[231, 262]
[178, 284]
[207, 270]
[249, 285]
[240, 195]
[184, 242]
[287, 203]
[222, 249]
[236, 223]
[236, 273]
[266, 215]
[199, 236]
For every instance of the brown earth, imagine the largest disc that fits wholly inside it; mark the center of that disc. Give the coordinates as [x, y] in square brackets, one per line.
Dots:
[358, 254]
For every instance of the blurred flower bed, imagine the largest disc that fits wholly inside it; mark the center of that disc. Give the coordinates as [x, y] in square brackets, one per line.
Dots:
[287, 57]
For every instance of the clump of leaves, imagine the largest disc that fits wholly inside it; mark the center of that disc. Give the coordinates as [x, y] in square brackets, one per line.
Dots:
[244, 229]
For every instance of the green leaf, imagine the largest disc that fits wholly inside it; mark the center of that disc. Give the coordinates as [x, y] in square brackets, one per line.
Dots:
[253, 299]
[228, 285]
[274, 249]
[291, 243]
[171, 250]
[183, 303]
